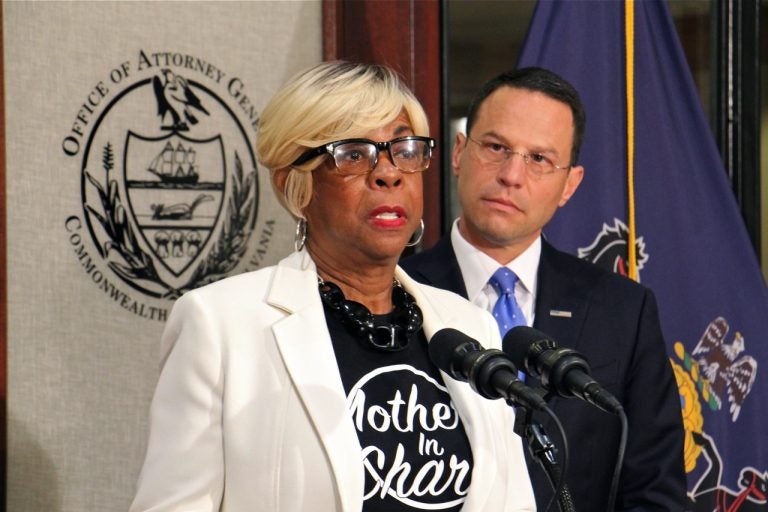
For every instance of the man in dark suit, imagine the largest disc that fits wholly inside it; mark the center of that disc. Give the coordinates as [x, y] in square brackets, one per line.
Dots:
[515, 167]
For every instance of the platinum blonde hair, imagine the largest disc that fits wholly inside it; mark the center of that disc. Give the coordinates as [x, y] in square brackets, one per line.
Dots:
[325, 103]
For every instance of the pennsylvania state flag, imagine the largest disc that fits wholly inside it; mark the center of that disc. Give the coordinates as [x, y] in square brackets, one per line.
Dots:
[654, 181]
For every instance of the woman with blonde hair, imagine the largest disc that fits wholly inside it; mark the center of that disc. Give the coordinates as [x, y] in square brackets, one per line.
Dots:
[307, 386]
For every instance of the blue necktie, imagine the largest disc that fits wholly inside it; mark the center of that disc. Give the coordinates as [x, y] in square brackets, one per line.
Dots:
[506, 310]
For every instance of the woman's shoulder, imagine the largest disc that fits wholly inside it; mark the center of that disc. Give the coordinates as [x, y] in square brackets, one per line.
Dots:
[444, 300]
[254, 280]
[452, 310]
[251, 280]
[446, 297]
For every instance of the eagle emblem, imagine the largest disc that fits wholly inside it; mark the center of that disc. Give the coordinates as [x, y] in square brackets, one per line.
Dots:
[175, 97]
[720, 363]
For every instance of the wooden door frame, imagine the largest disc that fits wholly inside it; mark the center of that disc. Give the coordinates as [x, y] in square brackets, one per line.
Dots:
[3, 280]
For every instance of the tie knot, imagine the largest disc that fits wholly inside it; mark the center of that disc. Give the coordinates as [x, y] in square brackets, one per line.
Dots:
[503, 280]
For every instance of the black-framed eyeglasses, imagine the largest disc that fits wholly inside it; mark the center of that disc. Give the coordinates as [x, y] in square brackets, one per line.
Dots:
[536, 164]
[359, 156]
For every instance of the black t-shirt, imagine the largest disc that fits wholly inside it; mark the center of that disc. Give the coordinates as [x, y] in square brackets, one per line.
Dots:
[415, 450]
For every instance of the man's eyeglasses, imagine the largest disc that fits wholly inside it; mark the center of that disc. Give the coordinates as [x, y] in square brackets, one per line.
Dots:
[536, 164]
[360, 156]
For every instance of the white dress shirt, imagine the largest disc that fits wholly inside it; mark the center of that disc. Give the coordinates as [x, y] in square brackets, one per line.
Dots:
[477, 268]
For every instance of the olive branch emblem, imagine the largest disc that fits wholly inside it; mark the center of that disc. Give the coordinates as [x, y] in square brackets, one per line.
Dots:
[115, 223]
[138, 264]
[232, 243]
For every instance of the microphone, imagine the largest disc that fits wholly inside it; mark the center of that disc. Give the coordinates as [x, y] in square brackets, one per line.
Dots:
[489, 372]
[562, 370]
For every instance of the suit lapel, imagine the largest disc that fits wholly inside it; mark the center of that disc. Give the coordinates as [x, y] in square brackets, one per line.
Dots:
[561, 302]
[305, 345]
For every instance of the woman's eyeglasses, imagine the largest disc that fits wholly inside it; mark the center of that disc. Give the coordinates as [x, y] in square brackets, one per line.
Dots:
[359, 156]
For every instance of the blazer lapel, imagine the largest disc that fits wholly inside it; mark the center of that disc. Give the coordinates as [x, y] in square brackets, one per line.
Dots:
[305, 345]
[475, 418]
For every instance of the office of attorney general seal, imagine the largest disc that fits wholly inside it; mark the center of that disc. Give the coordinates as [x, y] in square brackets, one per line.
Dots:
[168, 178]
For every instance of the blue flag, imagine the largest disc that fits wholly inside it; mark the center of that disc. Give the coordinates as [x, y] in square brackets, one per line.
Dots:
[654, 181]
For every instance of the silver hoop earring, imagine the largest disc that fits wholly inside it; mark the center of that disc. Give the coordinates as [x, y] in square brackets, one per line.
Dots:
[420, 235]
[301, 235]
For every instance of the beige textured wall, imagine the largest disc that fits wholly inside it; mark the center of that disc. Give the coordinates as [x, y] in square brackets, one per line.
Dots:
[82, 340]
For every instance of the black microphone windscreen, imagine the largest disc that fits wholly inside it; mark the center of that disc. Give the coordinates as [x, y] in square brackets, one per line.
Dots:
[442, 348]
[519, 340]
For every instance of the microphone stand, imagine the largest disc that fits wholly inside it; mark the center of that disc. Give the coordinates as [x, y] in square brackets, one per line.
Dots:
[543, 451]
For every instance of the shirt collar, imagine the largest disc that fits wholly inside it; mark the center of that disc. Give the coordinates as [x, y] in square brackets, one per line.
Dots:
[477, 267]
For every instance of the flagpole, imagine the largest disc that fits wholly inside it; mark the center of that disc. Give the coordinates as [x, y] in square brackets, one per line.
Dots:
[629, 35]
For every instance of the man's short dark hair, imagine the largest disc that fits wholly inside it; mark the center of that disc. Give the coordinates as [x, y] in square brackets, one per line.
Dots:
[538, 80]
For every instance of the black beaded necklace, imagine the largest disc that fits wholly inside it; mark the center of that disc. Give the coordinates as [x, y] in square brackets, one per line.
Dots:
[406, 317]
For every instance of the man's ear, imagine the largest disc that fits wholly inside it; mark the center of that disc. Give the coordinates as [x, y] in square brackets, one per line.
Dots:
[458, 149]
[572, 182]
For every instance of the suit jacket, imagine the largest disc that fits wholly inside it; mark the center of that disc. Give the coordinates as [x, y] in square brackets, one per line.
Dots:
[250, 411]
[614, 323]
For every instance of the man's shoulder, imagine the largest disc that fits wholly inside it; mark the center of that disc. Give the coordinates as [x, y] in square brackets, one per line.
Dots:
[435, 255]
[564, 265]
[436, 266]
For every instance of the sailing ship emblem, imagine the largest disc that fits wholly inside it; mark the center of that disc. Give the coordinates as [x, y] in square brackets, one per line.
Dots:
[175, 165]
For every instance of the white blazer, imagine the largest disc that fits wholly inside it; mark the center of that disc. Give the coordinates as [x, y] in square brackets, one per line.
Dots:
[249, 413]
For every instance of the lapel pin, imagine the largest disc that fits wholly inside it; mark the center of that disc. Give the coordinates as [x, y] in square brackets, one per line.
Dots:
[561, 314]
